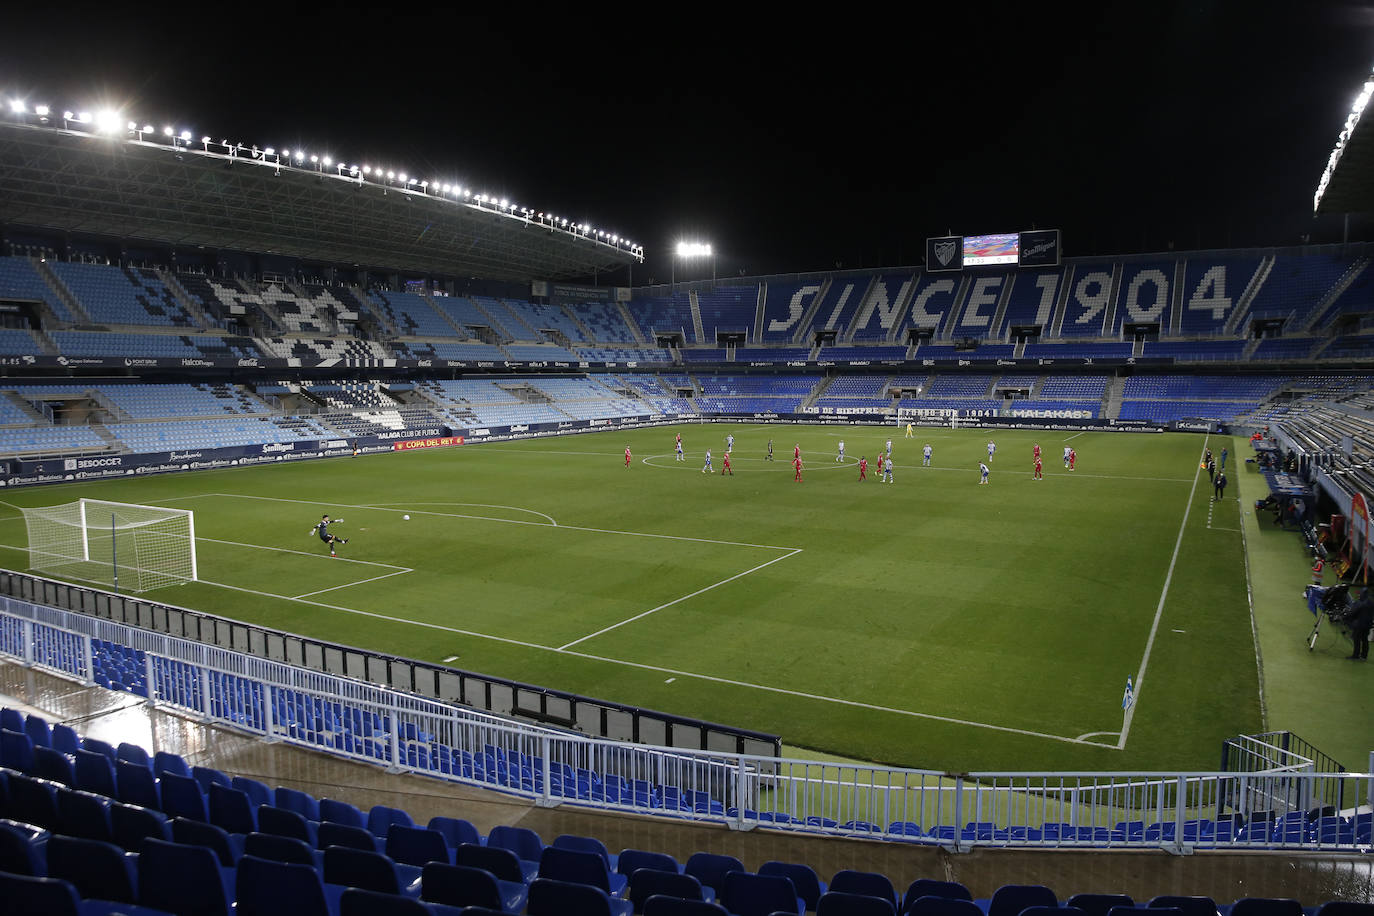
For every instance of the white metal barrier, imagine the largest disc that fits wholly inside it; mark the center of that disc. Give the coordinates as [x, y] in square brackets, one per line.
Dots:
[406, 732]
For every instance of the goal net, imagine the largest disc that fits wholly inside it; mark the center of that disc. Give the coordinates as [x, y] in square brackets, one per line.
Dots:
[123, 545]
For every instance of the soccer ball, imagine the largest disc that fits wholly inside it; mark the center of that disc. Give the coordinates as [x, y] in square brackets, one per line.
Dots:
[406, 517]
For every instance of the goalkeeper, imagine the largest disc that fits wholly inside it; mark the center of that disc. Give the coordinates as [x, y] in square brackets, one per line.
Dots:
[322, 529]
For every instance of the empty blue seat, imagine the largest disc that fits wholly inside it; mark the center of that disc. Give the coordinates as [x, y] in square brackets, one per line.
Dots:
[95, 773]
[329, 834]
[837, 903]
[849, 881]
[103, 748]
[181, 879]
[228, 808]
[522, 841]
[167, 762]
[929, 887]
[53, 766]
[302, 803]
[1011, 899]
[198, 833]
[16, 750]
[266, 888]
[651, 882]
[209, 776]
[95, 869]
[278, 849]
[461, 885]
[805, 881]
[748, 894]
[1266, 906]
[356, 901]
[1345, 908]
[1191, 906]
[1099, 904]
[130, 825]
[417, 846]
[65, 739]
[21, 848]
[11, 719]
[502, 863]
[456, 831]
[181, 797]
[137, 786]
[133, 753]
[711, 868]
[586, 844]
[574, 866]
[83, 814]
[338, 812]
[368, 870]
[38, 731]
[564, 898]
[632, 860]
[281, 822]
[33, 801]
[381, 817]
[258, 792]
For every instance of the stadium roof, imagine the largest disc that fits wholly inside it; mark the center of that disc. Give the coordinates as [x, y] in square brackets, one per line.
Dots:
[1347, 184]
[187, 193]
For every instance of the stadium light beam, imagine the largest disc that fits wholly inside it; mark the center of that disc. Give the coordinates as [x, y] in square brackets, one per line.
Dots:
[1352, 120]
[689, 251]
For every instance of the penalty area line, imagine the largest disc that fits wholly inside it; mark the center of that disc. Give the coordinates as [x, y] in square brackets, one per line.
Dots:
[700, 591]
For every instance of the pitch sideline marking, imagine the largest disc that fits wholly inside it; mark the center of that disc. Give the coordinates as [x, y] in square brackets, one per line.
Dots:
[669, 604]
[675, 672]
[1139, 684]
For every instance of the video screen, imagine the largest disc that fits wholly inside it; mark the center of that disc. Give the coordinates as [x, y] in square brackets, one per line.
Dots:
[991, 249]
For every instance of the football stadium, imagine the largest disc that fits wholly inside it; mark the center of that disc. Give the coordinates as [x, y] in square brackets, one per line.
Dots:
[371, 543]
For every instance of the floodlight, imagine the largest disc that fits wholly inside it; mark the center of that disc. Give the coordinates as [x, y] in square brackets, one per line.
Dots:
[391, 175]
[41, 111]
[402, 176]
[186, 135]
[300, 155]
[67, 115]
[84, 117]
[167, 131]
[147, 129]
[693, 250]
[269, 152]
[328, 160]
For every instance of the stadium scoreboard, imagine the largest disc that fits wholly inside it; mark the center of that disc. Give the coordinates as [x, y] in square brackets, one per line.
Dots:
[1033, 248]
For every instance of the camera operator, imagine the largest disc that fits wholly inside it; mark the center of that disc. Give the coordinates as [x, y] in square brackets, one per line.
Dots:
[1361, 619]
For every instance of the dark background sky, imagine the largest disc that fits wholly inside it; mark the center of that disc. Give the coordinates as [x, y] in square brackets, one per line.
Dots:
[790, 140]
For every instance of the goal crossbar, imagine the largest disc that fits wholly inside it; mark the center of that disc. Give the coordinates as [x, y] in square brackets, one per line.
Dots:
[131, 545]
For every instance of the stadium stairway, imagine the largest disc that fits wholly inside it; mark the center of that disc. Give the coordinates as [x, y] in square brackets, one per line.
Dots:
[115, 718]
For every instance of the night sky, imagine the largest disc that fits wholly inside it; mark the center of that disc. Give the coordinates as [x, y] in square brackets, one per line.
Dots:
[790, 141]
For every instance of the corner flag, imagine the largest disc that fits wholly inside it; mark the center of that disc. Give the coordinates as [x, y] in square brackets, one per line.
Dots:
[1128, 698]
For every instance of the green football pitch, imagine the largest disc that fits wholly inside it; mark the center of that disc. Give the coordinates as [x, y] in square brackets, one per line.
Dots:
[930, 622]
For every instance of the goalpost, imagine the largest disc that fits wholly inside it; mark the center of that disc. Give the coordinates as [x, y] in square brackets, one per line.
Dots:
[118, 544]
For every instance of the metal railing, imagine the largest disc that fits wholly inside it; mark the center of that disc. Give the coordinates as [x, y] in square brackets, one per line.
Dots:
[405, 732]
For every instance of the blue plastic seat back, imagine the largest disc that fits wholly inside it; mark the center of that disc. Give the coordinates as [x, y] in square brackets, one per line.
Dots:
[278, 849]
[502, 863]
[381, 817]
[339, 812]
[38, 731]
[16, 750]
[181, 797]
[11, 719]
[849, 881]
[1266, 906]
[711, 868]
[302, 803]
[267, 888]
[1191, 906]
[577, 867]
[281, 822]
[22, 848]
[461, 885]
[49, 896]
[137, 785]
[185, 880]
[838, 903]
[1099, 904]
[586, 844]
[417, 846]
[65, 739]
[522, 841]
[805, 881]
[258, 792]
[632, 860]
[356, 868]
[84, 814]
[455, 830]
[566, 898]
[133, 753]
[53, 765]
[749, 894]
[130, 825]
[231, 809]
[663, 905]
[95, 773]
[929, 887]
[199, 833]
[33, 801]
[95, 869]
[167, 762]
[1011, 899]
[943, 906]
[329, 834]
[651, 882]
[360, 902]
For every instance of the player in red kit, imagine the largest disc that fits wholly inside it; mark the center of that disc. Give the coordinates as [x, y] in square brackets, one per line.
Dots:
[880, 464]
[1037, 451]
[1039, 470]
[627, 456]
[725, 466]
[796, 451]
[1073, 456]
[797, 463]
[863, 468]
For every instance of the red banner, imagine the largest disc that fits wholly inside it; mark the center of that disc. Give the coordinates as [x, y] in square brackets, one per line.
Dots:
[436, 442]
